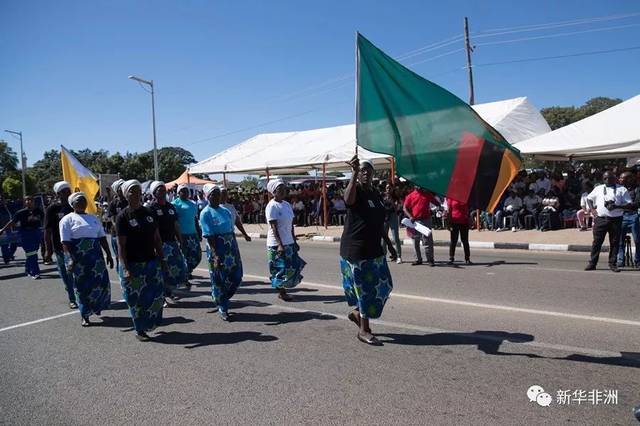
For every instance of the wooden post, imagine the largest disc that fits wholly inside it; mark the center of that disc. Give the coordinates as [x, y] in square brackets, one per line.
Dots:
[325, 207]
[393, 170]
[224, 179]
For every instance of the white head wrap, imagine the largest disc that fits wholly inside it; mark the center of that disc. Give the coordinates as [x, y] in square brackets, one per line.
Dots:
[208, 188]
[116, 185]
[182, 186]
[126, 186]
[367, 162]
[59, 186]
[273, 185]
[155, 185]
[222, 188]
[75, 197]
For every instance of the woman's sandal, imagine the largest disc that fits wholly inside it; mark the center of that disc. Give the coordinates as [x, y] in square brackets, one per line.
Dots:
[284, 296]
[373, 340]
[354, 318]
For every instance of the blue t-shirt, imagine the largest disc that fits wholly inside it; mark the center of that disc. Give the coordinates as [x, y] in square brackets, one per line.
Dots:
[187, 212]
[215, 221]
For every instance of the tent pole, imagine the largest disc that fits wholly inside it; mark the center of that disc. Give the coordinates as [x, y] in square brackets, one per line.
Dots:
[325, 207]
[267, 175]
[393, 170]
[224, 179]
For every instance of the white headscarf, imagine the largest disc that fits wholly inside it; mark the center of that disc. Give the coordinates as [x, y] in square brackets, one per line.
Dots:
[208, 188]
[182, 186]
[367, 162]
[116, 185]
[75, 197]
[126, 186]
[273, 185]
[155, 185]
[59, 186]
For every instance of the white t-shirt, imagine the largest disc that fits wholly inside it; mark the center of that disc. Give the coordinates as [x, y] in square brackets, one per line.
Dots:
[232, 210]
[543, 183]
[583, 201]
[74, 226]
[283, 213]
[299, 206]
[515, 203]
[602, 193]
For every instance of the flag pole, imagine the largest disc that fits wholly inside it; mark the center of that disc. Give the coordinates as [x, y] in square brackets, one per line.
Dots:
[357, 93]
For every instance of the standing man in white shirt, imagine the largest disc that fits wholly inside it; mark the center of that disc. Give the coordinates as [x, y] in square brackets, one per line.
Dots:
[609, 200]
[543, 183]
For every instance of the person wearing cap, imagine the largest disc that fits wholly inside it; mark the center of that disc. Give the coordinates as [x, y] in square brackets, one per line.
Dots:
[225, 264]
[29, 221]
[52, 216]
[118, 204]
[188, 221]
[235, 217]
[167, 219]
[141, 262]
[83, 241]
[365, 274]
[285, 264]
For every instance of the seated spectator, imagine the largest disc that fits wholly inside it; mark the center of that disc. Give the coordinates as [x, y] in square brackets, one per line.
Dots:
[299, 210]
[532, 205]
[550, 214]
[584, 213]
[543, 183]
[512, 208]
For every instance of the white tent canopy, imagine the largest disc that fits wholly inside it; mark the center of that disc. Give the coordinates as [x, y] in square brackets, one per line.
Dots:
[612, 133]
[516, 119]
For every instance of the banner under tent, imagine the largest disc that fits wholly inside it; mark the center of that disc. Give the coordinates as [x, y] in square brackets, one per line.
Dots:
[612, 133]
[329, 148]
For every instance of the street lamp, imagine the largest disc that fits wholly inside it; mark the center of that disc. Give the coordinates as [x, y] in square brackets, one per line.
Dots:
[23, 159]
[153, 117]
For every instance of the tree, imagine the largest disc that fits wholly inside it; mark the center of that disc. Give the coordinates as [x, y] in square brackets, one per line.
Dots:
[172, 161]
[249, 183]
[558, 116]
[8, 158]
[12, 185]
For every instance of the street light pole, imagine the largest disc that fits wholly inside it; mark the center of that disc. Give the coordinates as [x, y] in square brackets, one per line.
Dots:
[23, 162]
[153, 118]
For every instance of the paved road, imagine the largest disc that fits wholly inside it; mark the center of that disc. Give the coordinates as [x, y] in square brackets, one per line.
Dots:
[461, 346]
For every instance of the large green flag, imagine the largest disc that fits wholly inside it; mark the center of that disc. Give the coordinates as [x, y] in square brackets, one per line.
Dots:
[439, 142]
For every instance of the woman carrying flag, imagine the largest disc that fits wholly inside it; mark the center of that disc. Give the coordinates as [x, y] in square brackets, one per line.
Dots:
[29, 221]
[167, 219]
[225, 264]
[82, 237]
[365, 274]
[141, 259]
[285, 265]
[187, 212]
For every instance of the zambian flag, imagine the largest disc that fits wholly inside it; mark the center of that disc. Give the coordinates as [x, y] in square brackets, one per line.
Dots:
[438, 141]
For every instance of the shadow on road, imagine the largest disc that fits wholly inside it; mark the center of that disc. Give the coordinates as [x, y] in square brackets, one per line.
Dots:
[127, 323]
[22, 274]
[195, 340]
[280, 317]
[489, 342]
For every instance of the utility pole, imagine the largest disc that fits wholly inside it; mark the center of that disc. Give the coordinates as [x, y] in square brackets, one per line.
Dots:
[469, 49]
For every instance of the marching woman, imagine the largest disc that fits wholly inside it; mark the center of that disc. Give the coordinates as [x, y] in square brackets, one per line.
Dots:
[167, 219]
[141, 260]
[285, 265]
[225, 264]
[117, 204]
[187, 211]
[365, 274]
[82, 237]
[29, 221]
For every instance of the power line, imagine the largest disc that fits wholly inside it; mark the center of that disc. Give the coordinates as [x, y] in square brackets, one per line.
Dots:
[570, 55]
[595, 30]
[549, 25]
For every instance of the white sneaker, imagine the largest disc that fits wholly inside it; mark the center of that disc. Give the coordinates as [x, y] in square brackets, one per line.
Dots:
[399, 260]
[499, 230]
[513, 229]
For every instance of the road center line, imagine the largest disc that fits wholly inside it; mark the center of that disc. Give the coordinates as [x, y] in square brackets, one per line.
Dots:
[474, 304]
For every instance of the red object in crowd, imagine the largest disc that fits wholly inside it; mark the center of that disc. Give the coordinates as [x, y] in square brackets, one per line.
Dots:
[417, 203]
[458, 212]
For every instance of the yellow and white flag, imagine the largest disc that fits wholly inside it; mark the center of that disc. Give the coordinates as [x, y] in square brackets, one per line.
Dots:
[80, 178]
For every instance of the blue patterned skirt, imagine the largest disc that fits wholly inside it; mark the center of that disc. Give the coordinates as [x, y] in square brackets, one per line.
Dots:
[176, 272]
[285, 270]
[89, 275]
[144, 294]
[226, 278]
[67, 278]
[192, 251]
[367, 285]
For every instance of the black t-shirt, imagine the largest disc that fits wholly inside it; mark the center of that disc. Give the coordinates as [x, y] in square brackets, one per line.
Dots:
[52, 216]
[364, 226]
[166, 217]
[139, 226]
[115, 207]
[29, 219]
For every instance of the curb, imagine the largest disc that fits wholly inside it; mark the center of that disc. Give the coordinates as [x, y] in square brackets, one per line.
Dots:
[472, 244]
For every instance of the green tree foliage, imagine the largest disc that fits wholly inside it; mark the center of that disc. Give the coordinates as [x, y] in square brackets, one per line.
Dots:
[558, 116]
[12, 185]
[171, 161]
[249, 183]
[8, 158]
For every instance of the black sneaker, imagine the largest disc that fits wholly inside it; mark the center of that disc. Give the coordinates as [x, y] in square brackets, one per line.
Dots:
[85, 322]
[590, 267]
[416, 263]
[431, 263]
[73, 305]
[450, 262]
[468, 262]
[614, 268]
[142, 336]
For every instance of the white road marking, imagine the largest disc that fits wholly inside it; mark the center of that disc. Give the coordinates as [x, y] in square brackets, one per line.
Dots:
[477, 305]
[24, 324]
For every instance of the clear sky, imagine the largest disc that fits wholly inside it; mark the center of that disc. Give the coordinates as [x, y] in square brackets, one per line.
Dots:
[224, 68]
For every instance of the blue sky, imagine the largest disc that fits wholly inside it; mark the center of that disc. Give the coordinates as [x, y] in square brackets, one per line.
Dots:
[224, 66]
